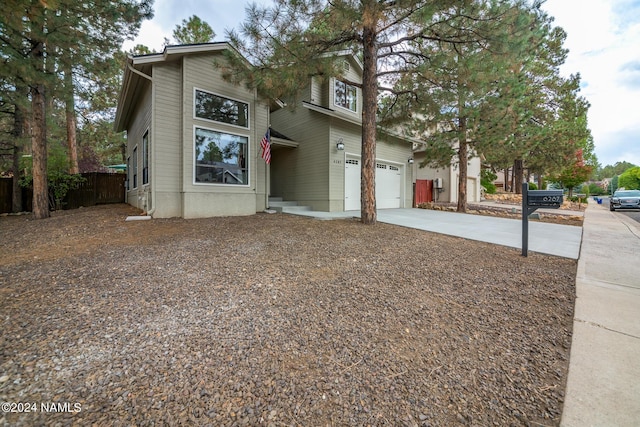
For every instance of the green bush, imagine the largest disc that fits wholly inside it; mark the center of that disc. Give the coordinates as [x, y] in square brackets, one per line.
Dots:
[486, 180]
[595, 190]
[59, 183]
[578, 199]
[533, 186]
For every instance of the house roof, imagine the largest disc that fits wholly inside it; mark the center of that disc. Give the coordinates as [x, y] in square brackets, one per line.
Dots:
[139, 67]
[332, 113]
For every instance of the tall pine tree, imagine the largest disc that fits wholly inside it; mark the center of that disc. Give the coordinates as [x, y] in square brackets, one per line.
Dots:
[42, 41]
[294, 40]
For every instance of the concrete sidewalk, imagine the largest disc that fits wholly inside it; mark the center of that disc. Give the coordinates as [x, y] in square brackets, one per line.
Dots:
[603, 387]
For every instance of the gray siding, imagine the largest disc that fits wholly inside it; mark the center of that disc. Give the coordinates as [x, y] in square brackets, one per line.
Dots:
[210, 199]
[167, 139]
[138, 125]
[302, 174]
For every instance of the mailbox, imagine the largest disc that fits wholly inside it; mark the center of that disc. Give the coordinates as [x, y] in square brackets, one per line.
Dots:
[532, 200]
[544, 198]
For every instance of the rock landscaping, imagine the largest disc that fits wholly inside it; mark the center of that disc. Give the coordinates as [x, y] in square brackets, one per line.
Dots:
[275, 320]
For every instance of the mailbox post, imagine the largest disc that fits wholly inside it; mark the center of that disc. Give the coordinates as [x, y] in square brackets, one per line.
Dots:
[531, 201]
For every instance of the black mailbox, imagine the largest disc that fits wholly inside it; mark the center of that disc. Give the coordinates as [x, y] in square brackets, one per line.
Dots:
[532, 200]
[544, 198]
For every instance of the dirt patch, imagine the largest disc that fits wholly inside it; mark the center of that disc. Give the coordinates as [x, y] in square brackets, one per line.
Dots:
[277, 320]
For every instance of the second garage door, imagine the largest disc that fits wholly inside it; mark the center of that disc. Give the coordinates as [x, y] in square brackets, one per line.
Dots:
[388, 185]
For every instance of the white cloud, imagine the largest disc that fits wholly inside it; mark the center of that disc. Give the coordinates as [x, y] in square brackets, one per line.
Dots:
[603, 38]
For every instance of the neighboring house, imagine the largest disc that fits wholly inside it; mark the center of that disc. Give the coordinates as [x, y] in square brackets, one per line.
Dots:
[449, 177]
[194, 141]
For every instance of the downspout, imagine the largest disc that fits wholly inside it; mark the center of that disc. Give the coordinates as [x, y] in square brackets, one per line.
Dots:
[153, 191]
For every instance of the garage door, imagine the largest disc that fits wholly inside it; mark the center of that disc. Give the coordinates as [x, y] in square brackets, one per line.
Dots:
[388, 185]
[352, 184]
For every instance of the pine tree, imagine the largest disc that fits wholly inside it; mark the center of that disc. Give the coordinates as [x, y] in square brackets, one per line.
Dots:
[193, 30]
[40, 38]
[453, 99]
[294, 40]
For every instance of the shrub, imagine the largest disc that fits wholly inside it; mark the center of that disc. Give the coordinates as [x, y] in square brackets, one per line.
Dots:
[578, 199]
[486, 180]
[59, 183]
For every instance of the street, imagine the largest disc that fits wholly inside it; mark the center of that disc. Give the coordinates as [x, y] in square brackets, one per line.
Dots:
[631, 213]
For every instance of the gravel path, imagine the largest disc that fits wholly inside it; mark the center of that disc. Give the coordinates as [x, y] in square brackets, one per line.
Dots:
[276, 320]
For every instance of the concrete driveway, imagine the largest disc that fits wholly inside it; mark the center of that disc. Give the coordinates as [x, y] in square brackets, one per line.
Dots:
[546, 238]
[552, 239]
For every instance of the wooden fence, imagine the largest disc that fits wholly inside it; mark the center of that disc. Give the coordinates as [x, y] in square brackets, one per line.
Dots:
[98, 188]
[423, 192]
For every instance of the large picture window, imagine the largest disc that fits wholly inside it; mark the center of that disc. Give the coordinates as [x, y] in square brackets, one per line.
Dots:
[346, 96]
[221, 158]
[220, 109]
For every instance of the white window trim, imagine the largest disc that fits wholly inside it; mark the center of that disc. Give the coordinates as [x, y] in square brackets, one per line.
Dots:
[334, 96]
[247, 185]
[248, 127]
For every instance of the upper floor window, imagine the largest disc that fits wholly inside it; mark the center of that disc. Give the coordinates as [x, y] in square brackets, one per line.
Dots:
[209, 106]
[345, 96]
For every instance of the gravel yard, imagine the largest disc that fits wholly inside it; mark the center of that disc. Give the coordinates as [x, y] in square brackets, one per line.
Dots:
[276, 320]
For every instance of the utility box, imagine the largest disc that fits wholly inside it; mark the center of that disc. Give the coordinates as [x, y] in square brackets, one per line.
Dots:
[544, 198]
[437, 183]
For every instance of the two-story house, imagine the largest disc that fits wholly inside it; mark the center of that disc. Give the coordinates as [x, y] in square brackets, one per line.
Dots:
[193, 145]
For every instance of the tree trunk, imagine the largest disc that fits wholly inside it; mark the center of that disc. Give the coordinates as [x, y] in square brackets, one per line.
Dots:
[39, 152]
[517, 175]
[71, 121]
[540, 182]
[39, 138]
[368, 214]
[506, 179]
[463, 154]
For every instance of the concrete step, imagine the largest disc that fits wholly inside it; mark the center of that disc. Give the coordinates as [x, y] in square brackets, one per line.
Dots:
[281, 204]
[294, 209]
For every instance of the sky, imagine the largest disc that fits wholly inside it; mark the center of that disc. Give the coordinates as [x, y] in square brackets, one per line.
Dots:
[603, 38]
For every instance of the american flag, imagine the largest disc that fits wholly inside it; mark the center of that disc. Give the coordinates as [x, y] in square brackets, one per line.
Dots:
[265, 143]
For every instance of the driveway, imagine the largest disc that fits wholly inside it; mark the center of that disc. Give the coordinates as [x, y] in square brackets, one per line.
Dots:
[546, 238]
[551, 239]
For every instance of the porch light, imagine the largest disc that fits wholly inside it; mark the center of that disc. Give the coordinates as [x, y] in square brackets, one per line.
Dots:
[410, 160]
[340, 145]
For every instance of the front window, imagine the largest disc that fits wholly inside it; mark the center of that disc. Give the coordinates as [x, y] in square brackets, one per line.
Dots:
[145, 158]
[135, 167]
[345, 96]
[221, 158]
[217, 108]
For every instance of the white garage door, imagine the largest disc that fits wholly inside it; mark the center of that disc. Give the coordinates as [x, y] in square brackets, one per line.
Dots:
[352, 184]
[388, 185]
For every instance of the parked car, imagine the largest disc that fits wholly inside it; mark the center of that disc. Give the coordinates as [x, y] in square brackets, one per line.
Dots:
[625, 199]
